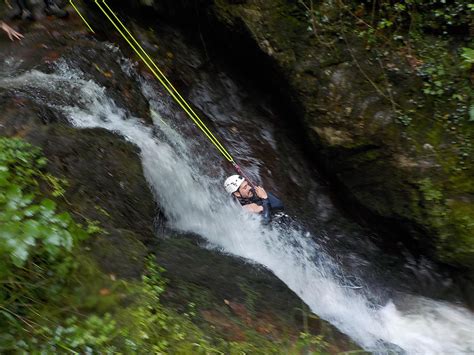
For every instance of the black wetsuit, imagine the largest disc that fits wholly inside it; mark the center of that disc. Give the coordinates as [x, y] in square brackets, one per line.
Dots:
[270, 204]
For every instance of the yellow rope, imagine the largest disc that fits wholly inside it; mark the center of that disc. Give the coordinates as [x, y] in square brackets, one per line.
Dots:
[80, 15]
[165, 82]
[201, 125]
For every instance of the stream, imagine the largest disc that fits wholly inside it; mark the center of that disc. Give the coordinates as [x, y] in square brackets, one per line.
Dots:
[383, 302]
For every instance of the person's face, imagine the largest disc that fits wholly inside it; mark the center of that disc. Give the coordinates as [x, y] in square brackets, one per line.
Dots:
[245, 190]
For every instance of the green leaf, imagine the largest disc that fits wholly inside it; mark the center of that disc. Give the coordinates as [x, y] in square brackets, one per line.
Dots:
[468, 55]
[471, 113]
[468, 58]
[67, 240]
[7, 337]
[20, 254]
[31, 211]
[64, 219]
[47, 207]
[13, 196]
[41, 162]
[31, 228]
[53, 238]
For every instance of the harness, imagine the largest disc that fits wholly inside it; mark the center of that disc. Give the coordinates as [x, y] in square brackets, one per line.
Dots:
[247, 201]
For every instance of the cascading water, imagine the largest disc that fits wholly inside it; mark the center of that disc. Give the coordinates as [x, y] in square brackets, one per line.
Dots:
[195, 202]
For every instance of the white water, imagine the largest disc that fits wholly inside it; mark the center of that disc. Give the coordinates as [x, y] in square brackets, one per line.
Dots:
[196, 203]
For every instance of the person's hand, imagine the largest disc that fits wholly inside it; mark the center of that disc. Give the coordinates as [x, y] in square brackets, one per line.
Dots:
[261, 192]
[12, 34]
[253, 207]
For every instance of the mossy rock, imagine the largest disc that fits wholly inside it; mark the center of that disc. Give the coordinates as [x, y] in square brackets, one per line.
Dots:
[346, 100]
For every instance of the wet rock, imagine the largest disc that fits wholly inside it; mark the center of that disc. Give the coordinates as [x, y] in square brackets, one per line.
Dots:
[240, 298]
[344, 99]
[105, 183]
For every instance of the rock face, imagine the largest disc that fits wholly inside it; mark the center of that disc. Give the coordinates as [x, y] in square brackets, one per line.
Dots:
[106, 184]
[413, 179]
[404, 175]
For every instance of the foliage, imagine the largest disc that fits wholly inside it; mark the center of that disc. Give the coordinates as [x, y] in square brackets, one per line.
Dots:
[390, 18]
[156, 329]
[468, 57]
[403, 118]
[29, 227]
[441, 61]
[314, 343]
[36, 241]
[145, 325]
[415, 15]
[430, 193]
[444, 76]
[76, 335]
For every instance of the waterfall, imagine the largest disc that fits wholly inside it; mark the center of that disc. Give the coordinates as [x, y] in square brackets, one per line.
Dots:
[194, 201]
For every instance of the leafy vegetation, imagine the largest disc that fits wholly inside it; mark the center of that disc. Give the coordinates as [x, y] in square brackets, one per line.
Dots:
[29, 227]
[433, 38]
[36, 242]
[433, 35]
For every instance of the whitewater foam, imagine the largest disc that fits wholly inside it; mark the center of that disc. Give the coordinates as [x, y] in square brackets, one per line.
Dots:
[195, 202]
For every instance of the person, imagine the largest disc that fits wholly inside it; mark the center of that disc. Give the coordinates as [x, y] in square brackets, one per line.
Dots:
[253, 200]
[12, 34]
[20, 10]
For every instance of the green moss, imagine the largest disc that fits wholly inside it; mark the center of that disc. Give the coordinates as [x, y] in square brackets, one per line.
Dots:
[453, 221]
[457, 244]
[279, 23]
[430, 192]
[432, 93]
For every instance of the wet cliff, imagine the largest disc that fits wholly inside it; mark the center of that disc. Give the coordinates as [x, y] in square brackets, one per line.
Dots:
[104, 184]
[257, 73]
[389, 122]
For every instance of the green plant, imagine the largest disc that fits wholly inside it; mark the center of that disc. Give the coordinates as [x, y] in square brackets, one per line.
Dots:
[36, 241]
[391, 28]
[57, 185]
[403, 118]
[29, 225]
[430, 193]
[467, 56]
[93, 227]
[79, 335]
[313, 344]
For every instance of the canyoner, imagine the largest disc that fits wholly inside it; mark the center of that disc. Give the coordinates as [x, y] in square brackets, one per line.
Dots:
[252, 198]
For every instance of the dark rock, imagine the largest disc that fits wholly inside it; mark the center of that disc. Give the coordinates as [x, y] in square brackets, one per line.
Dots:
[238, 297]
[342, 97]
[105, 183]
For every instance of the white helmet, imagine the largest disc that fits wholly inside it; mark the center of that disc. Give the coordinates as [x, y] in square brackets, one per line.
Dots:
[232, 183]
